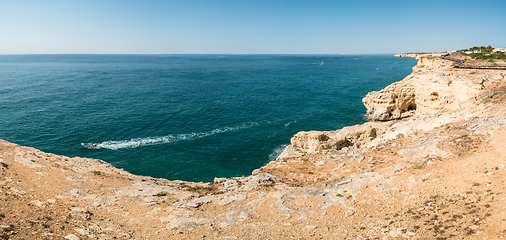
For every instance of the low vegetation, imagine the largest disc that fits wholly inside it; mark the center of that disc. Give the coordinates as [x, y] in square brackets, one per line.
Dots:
[483, 53]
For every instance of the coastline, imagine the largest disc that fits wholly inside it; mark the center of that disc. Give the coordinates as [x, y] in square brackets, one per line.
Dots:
[428, 166]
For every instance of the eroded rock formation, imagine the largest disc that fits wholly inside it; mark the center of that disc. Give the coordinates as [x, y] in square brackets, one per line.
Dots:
[433, 86]
[394, 102]
[316, 141]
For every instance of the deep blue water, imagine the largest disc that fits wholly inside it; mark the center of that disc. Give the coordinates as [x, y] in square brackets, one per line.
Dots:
[187, 117]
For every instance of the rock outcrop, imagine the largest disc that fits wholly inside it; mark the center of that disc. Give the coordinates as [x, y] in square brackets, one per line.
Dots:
[426, 63]
[316, 141]
[433, 86]
[412, 55]
[394, 102]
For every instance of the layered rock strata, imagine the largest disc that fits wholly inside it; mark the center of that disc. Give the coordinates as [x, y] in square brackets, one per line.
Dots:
[394, 102]
[433, 86]
[315, 141]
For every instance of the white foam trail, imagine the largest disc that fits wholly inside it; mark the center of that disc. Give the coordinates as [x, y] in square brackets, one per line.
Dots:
[138, 142]
[287, 124]
[277, 152]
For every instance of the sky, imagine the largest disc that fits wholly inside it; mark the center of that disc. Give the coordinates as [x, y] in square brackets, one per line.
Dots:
[248, 27]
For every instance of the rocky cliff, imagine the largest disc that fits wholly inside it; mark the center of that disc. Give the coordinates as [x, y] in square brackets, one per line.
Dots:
[434, 85]
[431, 167]
[315, 141]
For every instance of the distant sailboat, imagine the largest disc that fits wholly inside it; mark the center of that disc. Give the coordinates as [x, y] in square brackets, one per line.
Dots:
[322, 62]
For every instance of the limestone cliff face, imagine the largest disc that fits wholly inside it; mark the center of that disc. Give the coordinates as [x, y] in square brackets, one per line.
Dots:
[412, 55]
[316, 141]
[433, 86]
[431, 63]
[394, 102]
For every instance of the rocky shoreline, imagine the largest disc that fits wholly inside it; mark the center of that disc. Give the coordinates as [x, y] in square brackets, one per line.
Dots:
[430, 165]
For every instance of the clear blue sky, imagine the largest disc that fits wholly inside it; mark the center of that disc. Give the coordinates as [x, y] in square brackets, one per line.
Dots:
[248, 27]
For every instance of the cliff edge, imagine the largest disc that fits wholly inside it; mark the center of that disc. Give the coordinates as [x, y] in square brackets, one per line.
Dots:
[430, 165]
[433, 86]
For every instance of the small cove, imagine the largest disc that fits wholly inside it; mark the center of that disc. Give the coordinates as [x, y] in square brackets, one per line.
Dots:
[186, 117]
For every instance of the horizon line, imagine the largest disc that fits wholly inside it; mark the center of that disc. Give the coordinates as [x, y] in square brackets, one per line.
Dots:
[3, 54]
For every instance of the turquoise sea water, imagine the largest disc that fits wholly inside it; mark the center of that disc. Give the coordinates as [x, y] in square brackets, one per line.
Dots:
[187, 117]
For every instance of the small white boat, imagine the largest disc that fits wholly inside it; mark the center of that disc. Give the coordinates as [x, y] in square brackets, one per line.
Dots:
[322, 62]
[89, 145]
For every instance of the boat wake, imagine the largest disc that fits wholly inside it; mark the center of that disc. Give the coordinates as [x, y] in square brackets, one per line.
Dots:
[139, 142]
[277, 151]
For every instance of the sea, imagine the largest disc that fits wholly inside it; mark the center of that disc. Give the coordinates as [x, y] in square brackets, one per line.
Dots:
[184, 117]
